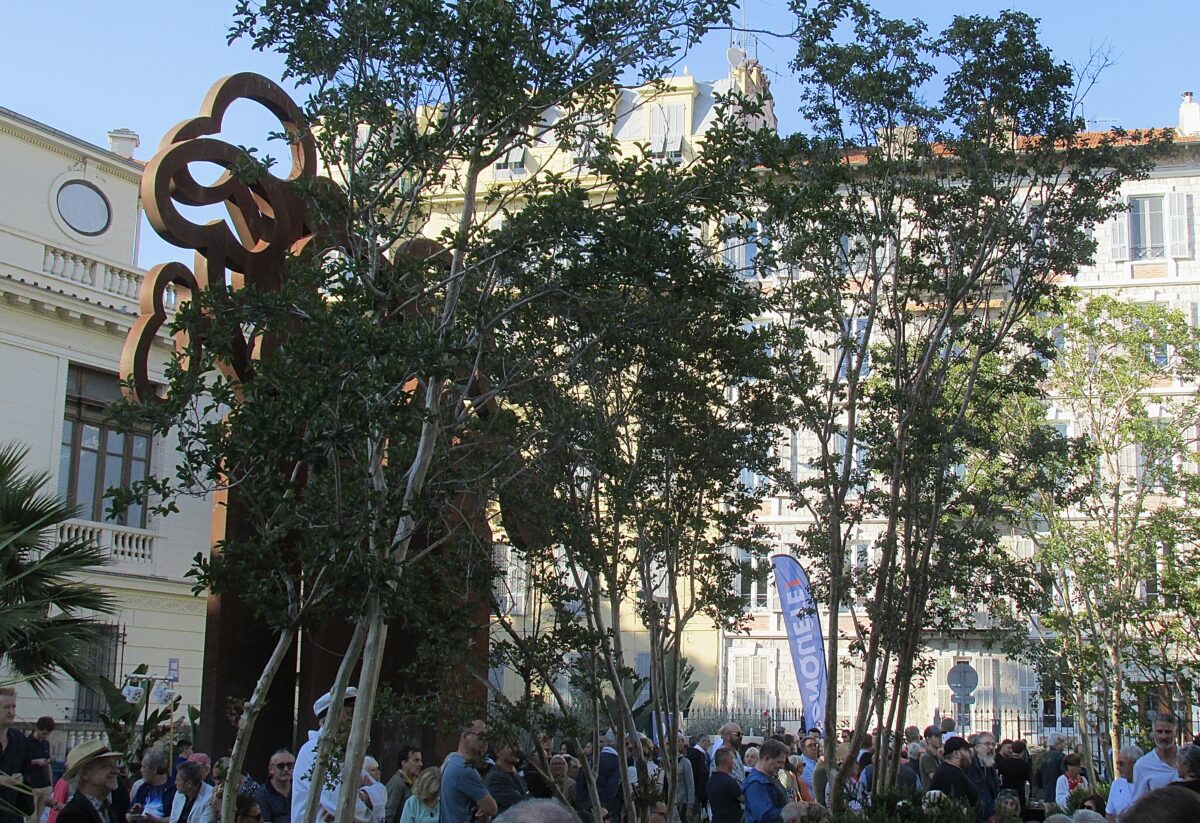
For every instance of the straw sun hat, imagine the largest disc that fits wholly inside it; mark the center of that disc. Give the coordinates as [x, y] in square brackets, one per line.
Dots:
[87, 753]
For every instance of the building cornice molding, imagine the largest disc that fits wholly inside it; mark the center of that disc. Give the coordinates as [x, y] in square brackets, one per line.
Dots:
[44, 300]
[74, 150]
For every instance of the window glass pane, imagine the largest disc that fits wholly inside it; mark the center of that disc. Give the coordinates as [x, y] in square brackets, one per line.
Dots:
[114, 466]
[141, 446]
[135, 516]
[1155, 205]
[116, 443]
[90, 438]
[64, 459]
[85, 479]
[1146, 239]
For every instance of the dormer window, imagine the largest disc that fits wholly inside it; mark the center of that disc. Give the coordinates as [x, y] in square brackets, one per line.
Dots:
[511, 164]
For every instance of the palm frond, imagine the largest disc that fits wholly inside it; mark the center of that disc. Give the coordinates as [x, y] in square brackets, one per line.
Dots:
[47, 612]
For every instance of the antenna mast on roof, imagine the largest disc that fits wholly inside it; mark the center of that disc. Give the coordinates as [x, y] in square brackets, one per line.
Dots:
[735, 55]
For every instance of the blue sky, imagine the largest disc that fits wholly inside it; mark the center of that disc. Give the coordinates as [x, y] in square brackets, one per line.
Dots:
[86, 69]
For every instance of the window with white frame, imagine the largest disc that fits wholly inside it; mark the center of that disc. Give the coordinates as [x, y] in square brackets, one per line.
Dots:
[858, 468]
[752, 678]
[740, 246]
[1057, 708]
[1155, 457]
[755, 582]
[854, 336]
[1154, 227]
[509, 585]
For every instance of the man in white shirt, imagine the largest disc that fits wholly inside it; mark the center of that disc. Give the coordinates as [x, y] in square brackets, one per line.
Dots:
[371, 793]
[1156, 768]
[1120, 794]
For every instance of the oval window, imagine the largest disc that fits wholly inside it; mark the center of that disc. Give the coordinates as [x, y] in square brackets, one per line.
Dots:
[84, 207]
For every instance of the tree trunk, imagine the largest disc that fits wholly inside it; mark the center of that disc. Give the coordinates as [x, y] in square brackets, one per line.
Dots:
[332, 719]
[250, 715]
[364, 704]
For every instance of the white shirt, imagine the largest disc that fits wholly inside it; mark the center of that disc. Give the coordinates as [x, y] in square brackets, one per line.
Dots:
[1150, 772]
[1062, 789]
[306, 759]
[1120, 795]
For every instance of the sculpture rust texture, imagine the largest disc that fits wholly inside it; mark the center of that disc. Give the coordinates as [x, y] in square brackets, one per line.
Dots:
[270, 220]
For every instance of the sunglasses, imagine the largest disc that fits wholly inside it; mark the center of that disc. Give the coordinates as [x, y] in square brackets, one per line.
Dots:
[283, 766]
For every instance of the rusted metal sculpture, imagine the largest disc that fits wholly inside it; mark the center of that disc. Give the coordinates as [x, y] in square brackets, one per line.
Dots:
[270, 224]
[270, 220]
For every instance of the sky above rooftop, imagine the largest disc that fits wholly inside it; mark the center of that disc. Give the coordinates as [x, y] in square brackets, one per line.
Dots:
[146, 64]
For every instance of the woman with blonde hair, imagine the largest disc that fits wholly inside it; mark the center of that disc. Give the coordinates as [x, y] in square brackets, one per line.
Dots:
[422, 805]
[562, 780]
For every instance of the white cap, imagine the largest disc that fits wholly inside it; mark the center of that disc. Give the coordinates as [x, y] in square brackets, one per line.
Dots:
[322, 704]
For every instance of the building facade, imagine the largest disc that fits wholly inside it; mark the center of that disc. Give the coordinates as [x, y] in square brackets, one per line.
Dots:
[70, 218]
[1148, 254]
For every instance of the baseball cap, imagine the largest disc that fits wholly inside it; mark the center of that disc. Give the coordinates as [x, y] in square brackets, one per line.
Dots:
[954, 744]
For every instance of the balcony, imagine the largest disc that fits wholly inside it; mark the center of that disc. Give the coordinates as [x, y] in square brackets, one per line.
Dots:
[97, 281]
[130, 550]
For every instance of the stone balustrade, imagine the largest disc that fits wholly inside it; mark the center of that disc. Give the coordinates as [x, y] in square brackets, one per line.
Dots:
[121, 543]
[98, 275]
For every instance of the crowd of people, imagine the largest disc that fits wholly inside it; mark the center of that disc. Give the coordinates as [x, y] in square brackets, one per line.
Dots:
[708, 779]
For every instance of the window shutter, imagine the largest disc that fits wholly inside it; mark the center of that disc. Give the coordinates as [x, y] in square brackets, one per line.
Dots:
[1177, 226]
[759, 684]
[673, 140]
[658, 128]
[630, 124]
[1120, 237]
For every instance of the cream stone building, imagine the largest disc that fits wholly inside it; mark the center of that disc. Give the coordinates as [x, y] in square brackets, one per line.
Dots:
[669, 119]
[70, 218]
[1148, 254]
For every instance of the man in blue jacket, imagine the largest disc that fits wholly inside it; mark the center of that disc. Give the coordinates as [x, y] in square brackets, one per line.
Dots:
[764, 797]
[608, 783]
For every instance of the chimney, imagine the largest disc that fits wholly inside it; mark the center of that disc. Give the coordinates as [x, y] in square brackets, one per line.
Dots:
[1189, 115]
[122, 142]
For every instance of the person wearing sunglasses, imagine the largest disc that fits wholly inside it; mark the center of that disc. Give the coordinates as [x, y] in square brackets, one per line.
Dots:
[275, 796]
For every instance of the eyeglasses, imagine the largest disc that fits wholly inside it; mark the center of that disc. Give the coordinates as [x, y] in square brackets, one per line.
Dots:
[282, 766]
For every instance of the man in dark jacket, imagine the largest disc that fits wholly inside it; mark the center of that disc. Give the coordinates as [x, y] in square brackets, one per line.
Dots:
[608, 784]
[16, 759]
[724, 793]
[951, 777]
[96, 799]
[699, 761]
[1052, 765]
[982, 772]
[503, 782]
[1014, 769]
